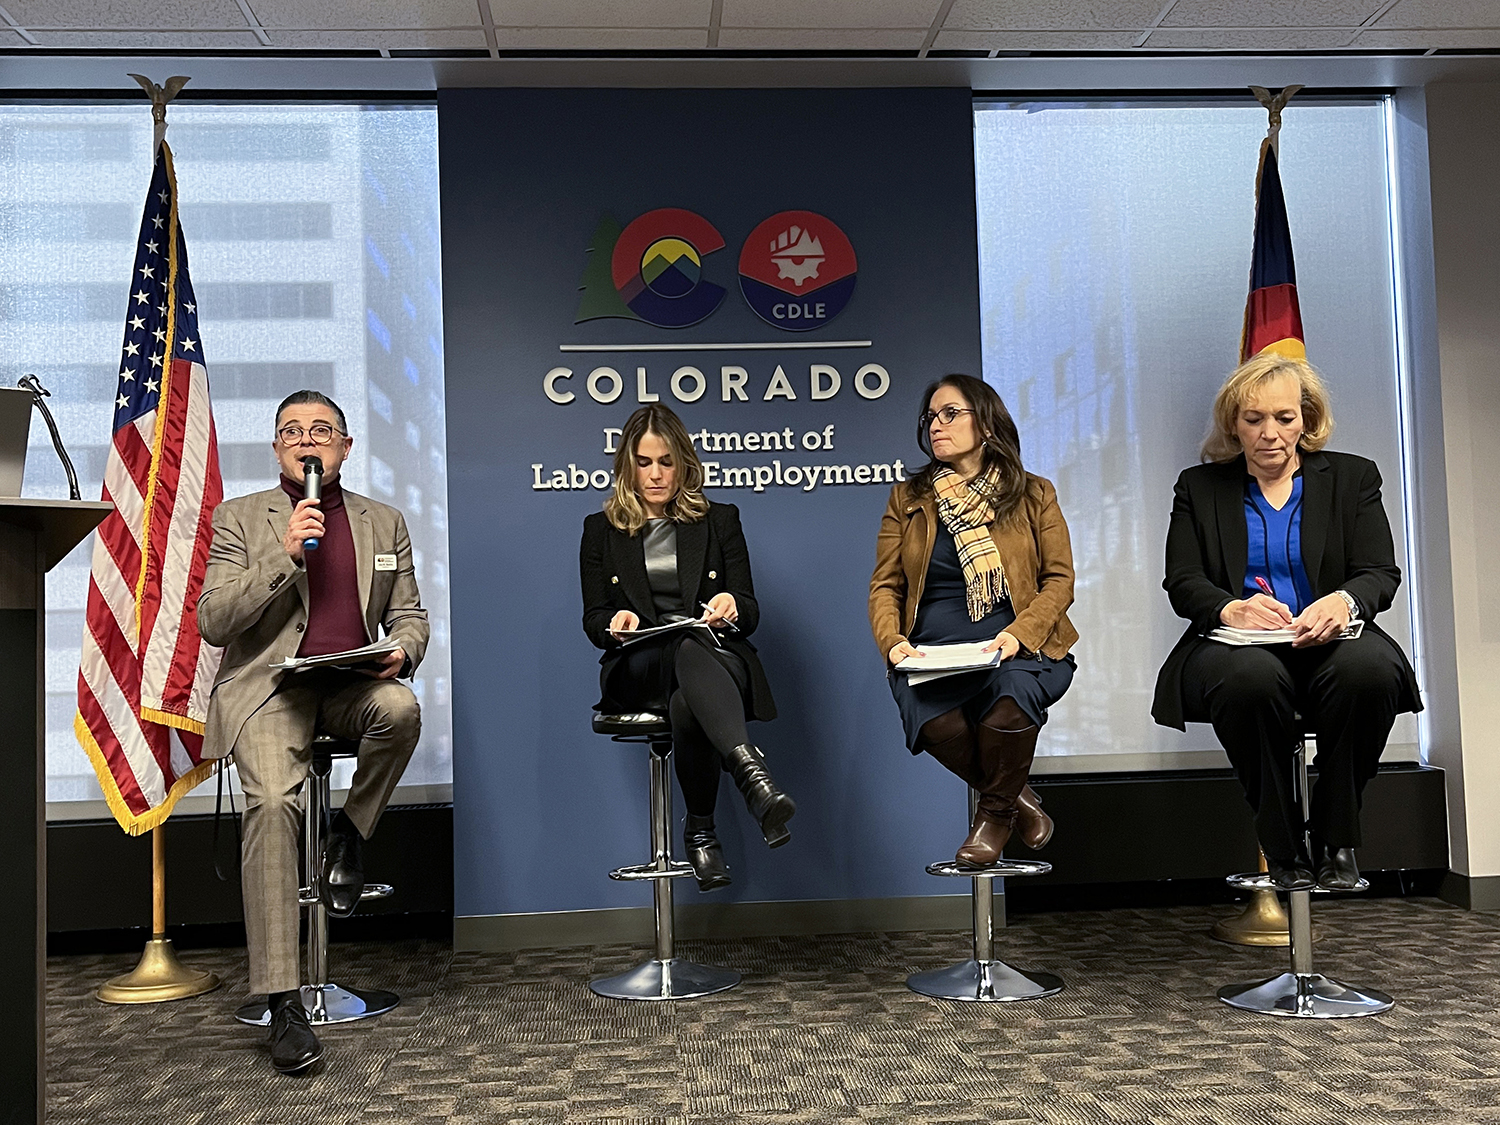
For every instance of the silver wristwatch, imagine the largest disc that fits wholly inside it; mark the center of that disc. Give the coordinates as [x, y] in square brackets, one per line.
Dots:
[1350, 602]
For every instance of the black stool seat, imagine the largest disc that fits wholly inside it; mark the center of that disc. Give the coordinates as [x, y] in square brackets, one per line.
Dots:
[636, 724]
[326, 746]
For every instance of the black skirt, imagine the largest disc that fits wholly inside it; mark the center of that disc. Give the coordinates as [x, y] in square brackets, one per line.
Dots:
[643, 676]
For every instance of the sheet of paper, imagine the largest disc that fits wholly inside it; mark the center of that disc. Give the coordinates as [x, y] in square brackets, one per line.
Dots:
[1228, 636]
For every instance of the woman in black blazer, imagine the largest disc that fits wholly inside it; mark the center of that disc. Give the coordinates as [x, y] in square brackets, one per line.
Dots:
[660, 553]
[1274, 533]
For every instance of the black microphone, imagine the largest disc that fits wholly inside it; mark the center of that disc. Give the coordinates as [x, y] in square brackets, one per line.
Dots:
[312, 489]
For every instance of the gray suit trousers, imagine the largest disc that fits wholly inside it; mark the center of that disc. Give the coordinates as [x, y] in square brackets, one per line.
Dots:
[273, 755]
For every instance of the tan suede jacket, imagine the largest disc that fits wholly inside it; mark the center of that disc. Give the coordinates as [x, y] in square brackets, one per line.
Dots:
[1034, 547]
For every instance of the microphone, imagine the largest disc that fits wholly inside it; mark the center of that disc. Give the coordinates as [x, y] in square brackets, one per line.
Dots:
[312, 489]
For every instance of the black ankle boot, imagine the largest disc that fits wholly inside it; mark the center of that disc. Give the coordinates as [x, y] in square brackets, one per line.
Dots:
[770, 807]
[701, 844]
[294, 1047]
[1338, 871]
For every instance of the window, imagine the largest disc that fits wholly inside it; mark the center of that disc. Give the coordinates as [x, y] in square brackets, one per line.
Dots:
[1115, 251]
[278, 206]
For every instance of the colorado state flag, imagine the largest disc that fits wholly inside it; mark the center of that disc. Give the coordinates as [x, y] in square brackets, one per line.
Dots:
[1273, 321]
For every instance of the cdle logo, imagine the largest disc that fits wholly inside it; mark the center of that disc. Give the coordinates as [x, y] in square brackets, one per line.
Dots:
[797, 270]
[652, 270]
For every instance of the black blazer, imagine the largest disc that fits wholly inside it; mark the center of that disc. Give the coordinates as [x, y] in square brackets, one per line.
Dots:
[711, 559]
[1346, 545]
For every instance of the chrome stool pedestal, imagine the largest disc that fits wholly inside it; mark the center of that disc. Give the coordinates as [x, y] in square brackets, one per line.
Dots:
[325, 1001]
[1301, 993]
[982, 978]
[665, 976]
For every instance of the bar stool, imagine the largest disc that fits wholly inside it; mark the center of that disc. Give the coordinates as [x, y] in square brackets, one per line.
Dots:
[982, 977]
[665, 976]
[1301, 993]
[325, 1002]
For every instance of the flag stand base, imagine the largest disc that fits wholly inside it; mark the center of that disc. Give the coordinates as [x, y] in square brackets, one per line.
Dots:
[158, 977]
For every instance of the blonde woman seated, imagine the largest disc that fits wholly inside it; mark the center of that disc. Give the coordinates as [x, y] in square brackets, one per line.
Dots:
[974, 548]
[660, 552]
[1275, 532]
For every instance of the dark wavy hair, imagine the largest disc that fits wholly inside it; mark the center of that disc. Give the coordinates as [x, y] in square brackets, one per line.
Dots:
[1002, 443]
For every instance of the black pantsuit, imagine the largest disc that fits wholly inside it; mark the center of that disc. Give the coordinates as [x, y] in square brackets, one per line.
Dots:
[709, 690]
[1347, 693]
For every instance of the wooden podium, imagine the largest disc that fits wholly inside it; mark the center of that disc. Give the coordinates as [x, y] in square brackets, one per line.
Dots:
[34, 537]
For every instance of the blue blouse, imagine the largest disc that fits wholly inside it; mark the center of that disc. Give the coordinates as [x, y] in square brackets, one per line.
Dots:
[1275, 542]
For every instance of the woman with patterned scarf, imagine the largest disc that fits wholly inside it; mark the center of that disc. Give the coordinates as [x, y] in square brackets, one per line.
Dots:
[971, 548]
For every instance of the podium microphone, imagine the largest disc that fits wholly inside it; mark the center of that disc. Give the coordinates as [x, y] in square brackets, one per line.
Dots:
[312, 489]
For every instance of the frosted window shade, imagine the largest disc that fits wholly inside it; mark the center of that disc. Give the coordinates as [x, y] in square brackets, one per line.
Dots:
[313, 237]
[1115, 256]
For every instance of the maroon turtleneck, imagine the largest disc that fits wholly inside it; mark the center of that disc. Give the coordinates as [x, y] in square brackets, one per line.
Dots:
[335, 619]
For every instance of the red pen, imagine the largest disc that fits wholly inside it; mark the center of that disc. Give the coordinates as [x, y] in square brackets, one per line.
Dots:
[1265, 587]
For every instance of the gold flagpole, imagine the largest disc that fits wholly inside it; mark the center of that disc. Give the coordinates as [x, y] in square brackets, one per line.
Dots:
[159, 975]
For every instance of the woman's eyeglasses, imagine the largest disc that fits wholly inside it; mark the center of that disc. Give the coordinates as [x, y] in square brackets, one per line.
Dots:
[320, 433]
[948, 415]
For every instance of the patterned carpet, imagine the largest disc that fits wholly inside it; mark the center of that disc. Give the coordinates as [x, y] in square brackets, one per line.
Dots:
[824, 1030]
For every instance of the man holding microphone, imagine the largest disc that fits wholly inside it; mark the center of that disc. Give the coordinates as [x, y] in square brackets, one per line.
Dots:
[295, 573]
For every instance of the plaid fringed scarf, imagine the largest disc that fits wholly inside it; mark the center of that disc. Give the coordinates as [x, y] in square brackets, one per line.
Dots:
[967, 514]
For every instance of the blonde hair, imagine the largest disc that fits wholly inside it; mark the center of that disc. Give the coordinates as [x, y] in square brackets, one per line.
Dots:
[1223, 443]
[624, 509]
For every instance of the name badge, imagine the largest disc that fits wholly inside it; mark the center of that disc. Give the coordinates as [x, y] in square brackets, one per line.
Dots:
[385, 562]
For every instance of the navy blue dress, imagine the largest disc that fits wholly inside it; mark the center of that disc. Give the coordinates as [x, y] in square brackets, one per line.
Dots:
[1035, 682]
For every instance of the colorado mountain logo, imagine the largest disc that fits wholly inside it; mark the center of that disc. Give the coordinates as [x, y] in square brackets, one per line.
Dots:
[797, 270]
[652, 270]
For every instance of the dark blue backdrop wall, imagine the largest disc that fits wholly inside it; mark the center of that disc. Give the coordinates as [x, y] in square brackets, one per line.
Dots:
[530, 179]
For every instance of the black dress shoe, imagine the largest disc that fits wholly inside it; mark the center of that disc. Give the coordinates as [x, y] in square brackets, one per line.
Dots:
[343, 870]
[1293, 876]
[294, 1047]
[701, 844]
[770, 807]
[1338, 871]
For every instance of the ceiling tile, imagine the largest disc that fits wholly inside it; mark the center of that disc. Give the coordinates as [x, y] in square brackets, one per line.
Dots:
[600, 38]
[1442, 13]
[1436, 37]
[601, 13]
[829, 13]
[149, 40]
[126, 14]
[388, 38]
[312, 15]
[1035, 40]
[1053, 15]
[1271, 13]
[822, 39]
[1269, 39]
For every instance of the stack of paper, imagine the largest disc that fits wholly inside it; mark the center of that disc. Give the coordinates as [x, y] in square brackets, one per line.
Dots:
[1225, 635]
[368, 657]
[938, 661]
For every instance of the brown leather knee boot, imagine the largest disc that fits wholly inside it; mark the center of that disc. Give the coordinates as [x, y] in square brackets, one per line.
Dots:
[1004, 764]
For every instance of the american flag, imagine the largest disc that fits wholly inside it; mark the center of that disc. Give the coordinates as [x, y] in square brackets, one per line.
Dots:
[145, 673]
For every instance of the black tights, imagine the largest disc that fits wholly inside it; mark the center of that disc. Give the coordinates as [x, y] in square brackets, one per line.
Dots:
[708, 721]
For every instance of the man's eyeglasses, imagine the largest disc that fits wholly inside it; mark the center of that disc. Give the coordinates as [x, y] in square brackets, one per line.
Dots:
[319, 432]
[948, 414]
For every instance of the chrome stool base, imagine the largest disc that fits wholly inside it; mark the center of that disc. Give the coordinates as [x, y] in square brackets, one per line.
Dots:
[984, 981]
[1305, 996]
[1301, 993]
[326, 1003]
[665, 976]
[676, 979]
